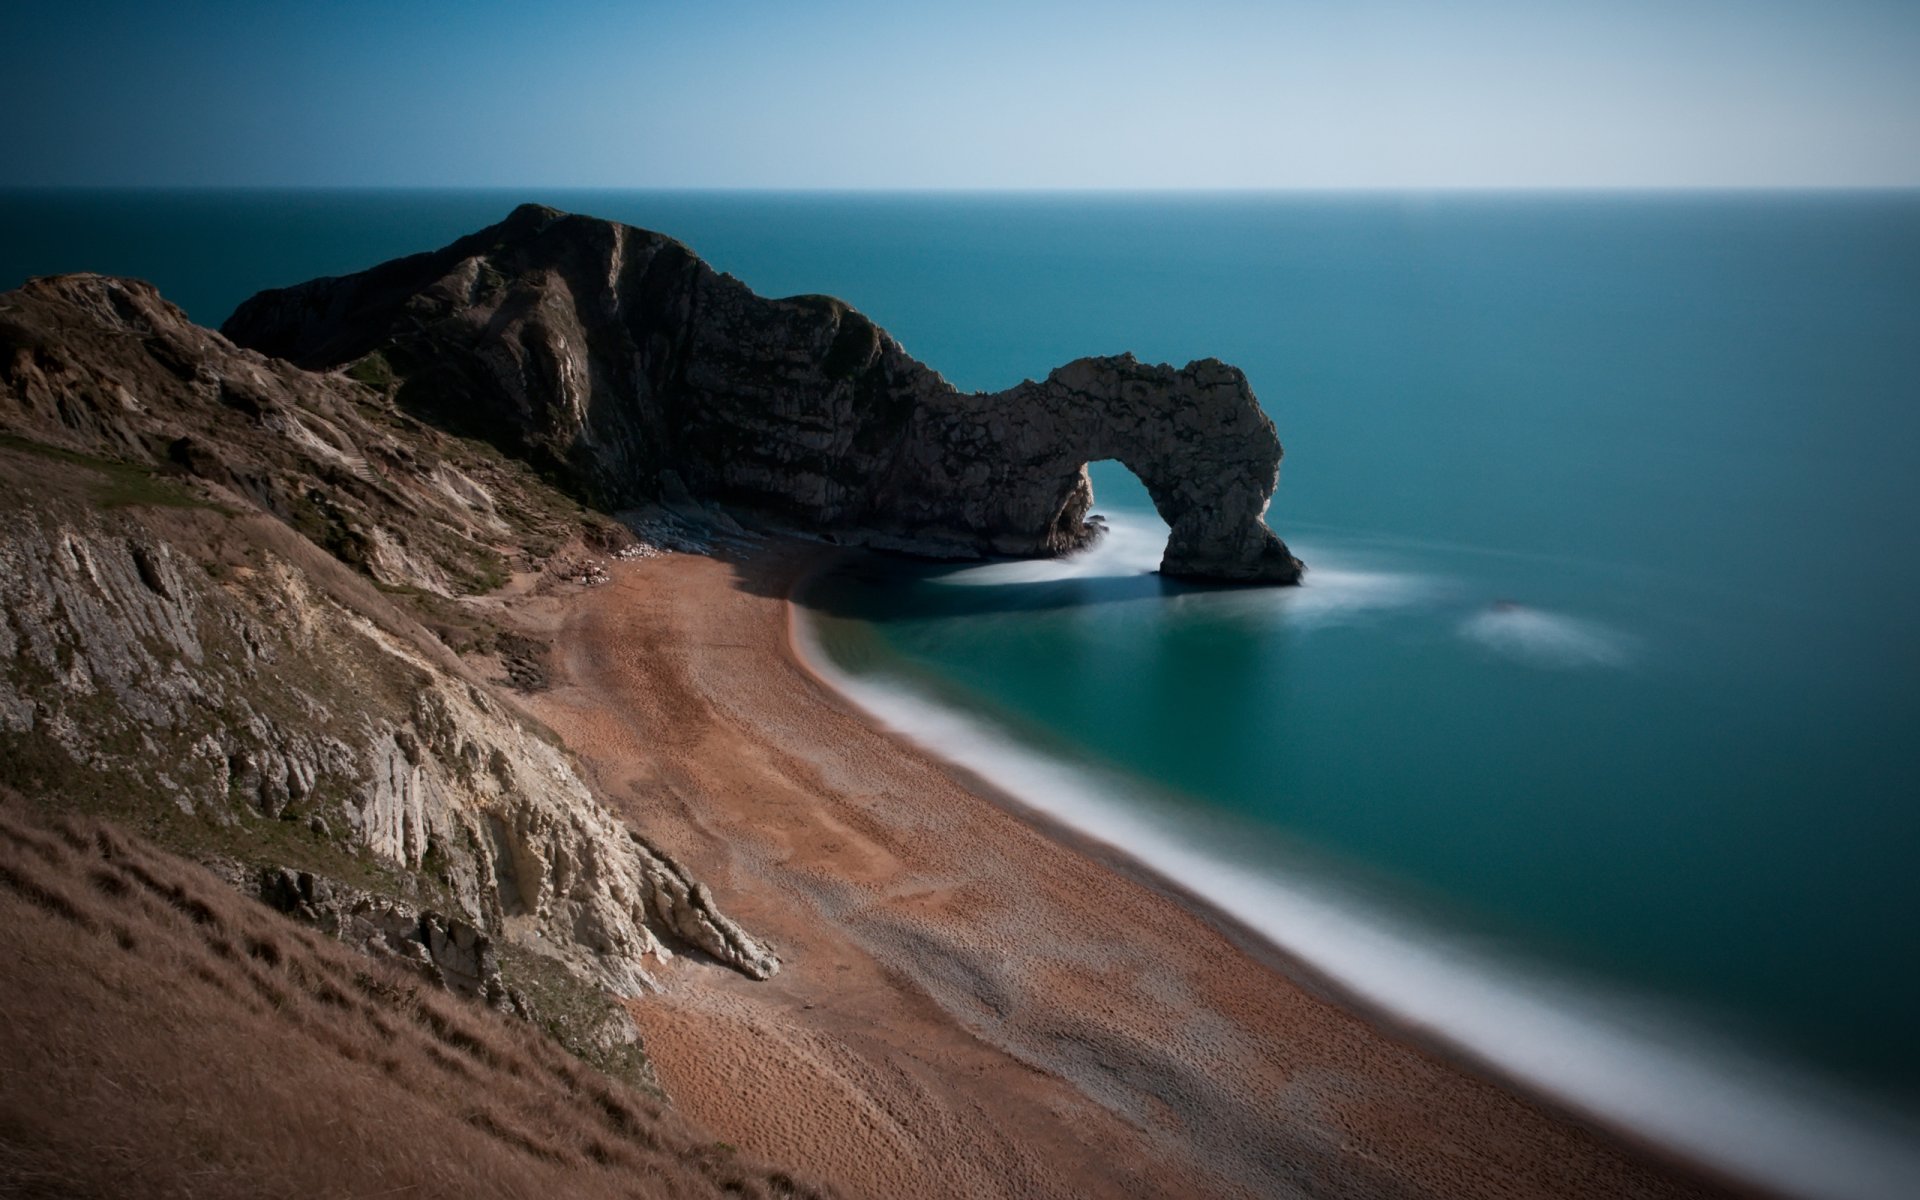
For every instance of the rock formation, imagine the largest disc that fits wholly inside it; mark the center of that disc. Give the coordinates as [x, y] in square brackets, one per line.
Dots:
[183, 644]
[231, 588]
[446, 950]
[619, 359]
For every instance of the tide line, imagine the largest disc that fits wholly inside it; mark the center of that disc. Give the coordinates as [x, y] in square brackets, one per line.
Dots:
[1621, 1059]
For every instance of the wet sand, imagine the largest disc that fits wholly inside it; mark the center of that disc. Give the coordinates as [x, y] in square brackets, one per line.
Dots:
[973, 1004]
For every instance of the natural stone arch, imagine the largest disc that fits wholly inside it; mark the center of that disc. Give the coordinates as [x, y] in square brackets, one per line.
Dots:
[1016, 463]
[618, 360]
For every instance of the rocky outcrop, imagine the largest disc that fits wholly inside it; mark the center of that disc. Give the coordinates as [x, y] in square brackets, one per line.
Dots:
[263, 699]
[446, 950]
[182, 641]
[618, 358]
[107, 367]
[1015, 464]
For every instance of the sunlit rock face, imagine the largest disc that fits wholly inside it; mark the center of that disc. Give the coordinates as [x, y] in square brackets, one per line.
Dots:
[618, 359]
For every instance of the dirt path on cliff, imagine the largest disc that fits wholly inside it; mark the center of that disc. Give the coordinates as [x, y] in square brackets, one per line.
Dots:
[969, 1007]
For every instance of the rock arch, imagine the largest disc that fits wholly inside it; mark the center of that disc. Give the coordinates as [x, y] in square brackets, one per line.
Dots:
[1015, 463]
[620, 361]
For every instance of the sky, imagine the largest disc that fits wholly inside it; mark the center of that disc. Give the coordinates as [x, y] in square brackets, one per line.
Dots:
[892, 94]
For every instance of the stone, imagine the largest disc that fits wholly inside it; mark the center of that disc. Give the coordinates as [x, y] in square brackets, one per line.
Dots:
[617, 358]
[447, 951]
[285, 689]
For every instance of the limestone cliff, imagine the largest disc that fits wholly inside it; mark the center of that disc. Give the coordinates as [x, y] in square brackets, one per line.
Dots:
[618, 358]
[228, 605]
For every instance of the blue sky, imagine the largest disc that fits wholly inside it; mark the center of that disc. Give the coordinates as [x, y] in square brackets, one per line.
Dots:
[736, 93]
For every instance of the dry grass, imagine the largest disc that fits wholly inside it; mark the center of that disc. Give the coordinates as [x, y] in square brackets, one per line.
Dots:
[161, 1036]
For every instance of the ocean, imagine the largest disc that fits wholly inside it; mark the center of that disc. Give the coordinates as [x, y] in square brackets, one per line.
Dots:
[1591, 745]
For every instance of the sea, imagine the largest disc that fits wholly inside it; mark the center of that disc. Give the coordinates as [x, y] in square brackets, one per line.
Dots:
[1590, 747]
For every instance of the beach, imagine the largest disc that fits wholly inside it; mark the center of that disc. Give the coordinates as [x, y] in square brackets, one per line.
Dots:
[973, 1003]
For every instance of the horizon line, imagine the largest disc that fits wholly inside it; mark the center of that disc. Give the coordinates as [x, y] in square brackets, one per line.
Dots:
[1012, 190]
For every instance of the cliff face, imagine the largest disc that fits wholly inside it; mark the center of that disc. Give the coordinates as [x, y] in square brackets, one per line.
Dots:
[218, 575]
[618, 358]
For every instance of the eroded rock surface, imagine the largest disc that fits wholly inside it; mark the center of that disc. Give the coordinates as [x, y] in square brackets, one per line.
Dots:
[446, 950]
[264, 699]
[190, 634]
[618, 357]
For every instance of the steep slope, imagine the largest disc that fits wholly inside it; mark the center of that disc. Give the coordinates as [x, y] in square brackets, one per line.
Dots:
[167, 1038]
[619, 359]
[229, 591]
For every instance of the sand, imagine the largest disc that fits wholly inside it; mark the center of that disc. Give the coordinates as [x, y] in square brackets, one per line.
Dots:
[972, 1004]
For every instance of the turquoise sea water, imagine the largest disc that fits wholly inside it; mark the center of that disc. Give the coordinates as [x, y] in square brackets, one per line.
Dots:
[1606, 669]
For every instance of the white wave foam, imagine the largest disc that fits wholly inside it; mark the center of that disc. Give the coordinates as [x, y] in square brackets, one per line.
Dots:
[1131, 546]
[1623, 1060]
[1545, 639]
[1336, 590]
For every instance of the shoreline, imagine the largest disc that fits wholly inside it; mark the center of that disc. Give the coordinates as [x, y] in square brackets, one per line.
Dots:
[1709, 1070]
[1297, 967]
[1000, 1004]
[1680, 1065]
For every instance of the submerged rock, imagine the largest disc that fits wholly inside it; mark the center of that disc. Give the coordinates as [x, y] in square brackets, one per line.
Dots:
[618, 358]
